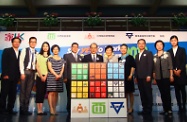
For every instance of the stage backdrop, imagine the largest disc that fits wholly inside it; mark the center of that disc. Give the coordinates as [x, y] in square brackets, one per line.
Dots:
[102, 38]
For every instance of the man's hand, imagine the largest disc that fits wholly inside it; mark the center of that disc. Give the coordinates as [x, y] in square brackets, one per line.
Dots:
[148, 78]
[6, 77]
[130, 77]
[22, 77]
[65, 80]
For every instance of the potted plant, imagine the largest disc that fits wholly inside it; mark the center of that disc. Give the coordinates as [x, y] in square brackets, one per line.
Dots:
[138, 20]
[93, 19]
[50, 19]
[7, 19]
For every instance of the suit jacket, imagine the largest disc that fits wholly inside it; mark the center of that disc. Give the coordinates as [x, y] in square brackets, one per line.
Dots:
[179, 62]
[88, 58]
[10, 64]
[144, 66]
[69, 58]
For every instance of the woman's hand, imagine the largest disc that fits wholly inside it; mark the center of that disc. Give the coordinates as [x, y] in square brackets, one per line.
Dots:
[171, 79]
[129, 78]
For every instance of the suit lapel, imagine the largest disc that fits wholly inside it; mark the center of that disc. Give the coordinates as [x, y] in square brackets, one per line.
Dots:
[72, 57]
[178, 52]
[14, 53]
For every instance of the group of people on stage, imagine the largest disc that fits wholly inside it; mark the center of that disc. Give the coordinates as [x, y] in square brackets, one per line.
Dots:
[165, 68]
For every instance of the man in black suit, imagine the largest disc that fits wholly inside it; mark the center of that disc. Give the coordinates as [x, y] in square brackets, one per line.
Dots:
[10, 76]
[93, 56]
[178, 55]
[143, 75]
[70, 58]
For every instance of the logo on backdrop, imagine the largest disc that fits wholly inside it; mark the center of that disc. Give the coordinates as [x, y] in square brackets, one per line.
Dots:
[80, 109]
[10, 36]
[51, 36]
[129, 35]
[89, 36]
[98, 108]
[117, 106]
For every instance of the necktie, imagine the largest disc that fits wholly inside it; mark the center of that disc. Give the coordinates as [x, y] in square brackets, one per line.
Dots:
[94, 59]
[75, 56]
[32, 59]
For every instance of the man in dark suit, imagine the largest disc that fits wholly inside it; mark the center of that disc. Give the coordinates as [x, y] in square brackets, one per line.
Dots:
[10, 76]
[70, 58]
[178, 55]
[143, 75]
[93, 56]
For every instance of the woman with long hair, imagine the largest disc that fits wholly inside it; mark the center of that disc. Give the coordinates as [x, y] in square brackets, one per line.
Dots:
[42, 70]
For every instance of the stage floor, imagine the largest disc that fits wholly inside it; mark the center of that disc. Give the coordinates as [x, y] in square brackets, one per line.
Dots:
[62, 117]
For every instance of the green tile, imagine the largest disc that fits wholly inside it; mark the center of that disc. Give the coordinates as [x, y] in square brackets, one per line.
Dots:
[85, 71]
[74, 71]
[79, 77]
[79, 66]
[74, 66]
[85, 77]
[79, 71]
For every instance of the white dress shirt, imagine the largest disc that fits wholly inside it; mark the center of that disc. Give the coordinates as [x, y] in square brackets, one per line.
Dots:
[75, 56]
[16, 52]
[140, 54]
[175, 50]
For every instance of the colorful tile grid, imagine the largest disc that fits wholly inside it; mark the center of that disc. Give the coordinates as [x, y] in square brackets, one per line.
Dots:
[79, 71]
[115, 71]
[97, 71]
[79, 89]
[116, 89]
[98, 89]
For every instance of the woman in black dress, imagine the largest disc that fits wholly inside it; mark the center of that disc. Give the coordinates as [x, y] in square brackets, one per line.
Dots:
[129, 62]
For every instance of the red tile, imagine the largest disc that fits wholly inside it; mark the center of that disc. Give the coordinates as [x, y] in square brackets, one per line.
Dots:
[97, 89]
[103, 89]
[97, 95]
[91, 89]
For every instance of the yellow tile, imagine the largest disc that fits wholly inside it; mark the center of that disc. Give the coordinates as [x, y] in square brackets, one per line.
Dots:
[73, 83]
[79, 95]
[85, 89]
[79, 89]
[73, 89]
[85, 95]
[85, 83]
[79, 83]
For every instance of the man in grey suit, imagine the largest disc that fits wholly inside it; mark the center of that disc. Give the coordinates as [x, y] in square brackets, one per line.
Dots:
[70, 58]
[143, 75]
